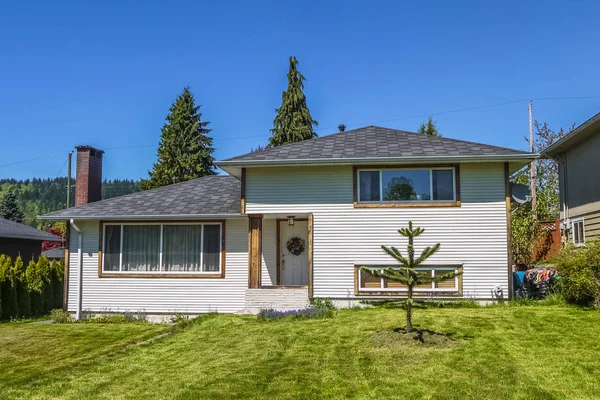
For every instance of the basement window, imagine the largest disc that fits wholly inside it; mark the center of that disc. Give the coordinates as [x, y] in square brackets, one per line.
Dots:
[368, 284]
[162, 248]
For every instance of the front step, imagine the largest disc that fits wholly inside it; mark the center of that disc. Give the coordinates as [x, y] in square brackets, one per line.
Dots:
[280, 299]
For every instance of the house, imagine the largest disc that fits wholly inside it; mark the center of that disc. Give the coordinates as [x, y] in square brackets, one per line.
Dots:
[295, 222]
[55, 254]
[21, 240]
[578, 159]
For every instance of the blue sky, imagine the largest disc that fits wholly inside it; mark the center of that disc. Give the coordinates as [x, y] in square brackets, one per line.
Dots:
[105, 73]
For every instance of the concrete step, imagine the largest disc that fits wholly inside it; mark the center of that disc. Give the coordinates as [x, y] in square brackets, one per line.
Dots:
[281, 299]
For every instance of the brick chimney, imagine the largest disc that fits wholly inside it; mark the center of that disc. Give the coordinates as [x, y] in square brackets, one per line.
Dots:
[88, 178]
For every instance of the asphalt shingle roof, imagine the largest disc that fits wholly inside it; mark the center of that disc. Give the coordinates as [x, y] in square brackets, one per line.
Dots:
[15, 230]
[376, 142]
[209, 195]
[58, 252]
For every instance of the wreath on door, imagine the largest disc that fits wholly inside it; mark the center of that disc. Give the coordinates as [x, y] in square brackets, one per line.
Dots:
[295, 246]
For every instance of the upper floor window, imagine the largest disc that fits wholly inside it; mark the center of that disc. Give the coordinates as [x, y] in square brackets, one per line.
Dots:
[406, 185]
[579, 232]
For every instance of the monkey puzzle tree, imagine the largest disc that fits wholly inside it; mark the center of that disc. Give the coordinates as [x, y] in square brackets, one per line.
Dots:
[406, 273]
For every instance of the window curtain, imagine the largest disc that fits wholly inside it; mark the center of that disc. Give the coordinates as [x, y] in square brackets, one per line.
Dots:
[212, 248]
[182, 246]
[112, 247]
[141, 244]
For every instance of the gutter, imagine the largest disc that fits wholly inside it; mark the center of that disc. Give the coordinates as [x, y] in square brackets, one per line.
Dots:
[378, 160]
[141, 217]
[80, 270]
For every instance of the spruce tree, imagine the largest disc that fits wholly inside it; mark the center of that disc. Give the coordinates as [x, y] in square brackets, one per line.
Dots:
[293, 122]
[406, 273]
[9, 209]
[185, 149]
[429, 128]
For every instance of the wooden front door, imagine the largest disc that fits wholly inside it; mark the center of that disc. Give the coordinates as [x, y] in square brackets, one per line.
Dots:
[293, 269]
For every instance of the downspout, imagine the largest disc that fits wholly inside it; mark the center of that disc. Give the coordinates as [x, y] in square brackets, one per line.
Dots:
[565, 196]
[80, 269]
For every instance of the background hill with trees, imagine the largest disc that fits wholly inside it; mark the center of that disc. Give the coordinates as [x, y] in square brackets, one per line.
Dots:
[39, 196]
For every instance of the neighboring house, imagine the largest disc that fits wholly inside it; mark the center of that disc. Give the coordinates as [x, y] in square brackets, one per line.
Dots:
[21, 240]
[295, 222]
[578, 156]
[58, 253]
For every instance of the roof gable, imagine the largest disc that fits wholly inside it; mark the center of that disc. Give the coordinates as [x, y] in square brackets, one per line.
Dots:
[374, 142]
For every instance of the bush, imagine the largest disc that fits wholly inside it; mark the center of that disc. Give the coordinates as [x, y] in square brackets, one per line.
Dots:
[319, 308]
[60, 316]
[181, 320]
[580, 270]
[29, 292]
[128, 317]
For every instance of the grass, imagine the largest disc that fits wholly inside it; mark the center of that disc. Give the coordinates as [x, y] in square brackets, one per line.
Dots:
[520, 352]
[33, 356]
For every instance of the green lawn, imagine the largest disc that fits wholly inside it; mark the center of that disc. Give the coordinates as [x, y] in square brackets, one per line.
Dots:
[547, 352]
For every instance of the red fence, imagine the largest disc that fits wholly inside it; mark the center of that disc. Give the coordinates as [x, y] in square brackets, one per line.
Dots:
[548, 246]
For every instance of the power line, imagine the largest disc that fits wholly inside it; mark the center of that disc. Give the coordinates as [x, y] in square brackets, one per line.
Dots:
[26, 161]
[51, 184]
[356, 124]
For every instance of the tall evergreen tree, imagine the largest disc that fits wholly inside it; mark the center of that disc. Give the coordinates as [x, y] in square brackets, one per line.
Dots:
[9, 209]
[293, 122]
[429, 128]
[185, 149]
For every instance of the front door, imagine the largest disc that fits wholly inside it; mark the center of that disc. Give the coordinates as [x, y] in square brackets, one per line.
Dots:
[293, 268]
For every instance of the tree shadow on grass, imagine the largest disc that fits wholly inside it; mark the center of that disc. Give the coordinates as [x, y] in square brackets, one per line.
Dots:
[400, 337]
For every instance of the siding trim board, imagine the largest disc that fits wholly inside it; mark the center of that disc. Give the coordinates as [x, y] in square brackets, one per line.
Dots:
[112, 274]
[455, 203]
[508, 229]
[255, 223]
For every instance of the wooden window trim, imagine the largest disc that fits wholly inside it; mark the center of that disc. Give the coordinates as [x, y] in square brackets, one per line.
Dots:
[220, 275]
[243, 192]
[456, 203]
[420, 293]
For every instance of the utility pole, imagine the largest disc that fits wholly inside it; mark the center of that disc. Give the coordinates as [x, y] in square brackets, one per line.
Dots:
[532, 167]
[69, 179]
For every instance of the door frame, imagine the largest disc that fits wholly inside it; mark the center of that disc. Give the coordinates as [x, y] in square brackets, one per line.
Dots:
[278, 254]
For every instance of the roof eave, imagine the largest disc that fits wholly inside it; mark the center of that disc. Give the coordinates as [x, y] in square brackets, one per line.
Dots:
[378, 160]
[566, 142]
[139, 217]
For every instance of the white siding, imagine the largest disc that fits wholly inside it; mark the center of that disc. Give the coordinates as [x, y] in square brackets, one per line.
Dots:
[474, 234]
[160, 295]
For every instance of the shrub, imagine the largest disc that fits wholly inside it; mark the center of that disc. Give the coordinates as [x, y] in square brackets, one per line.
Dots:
[580, 269]
[60, 316]
[181, 320]
[319, 308]
[10, 303]
[23, 297]
[128, 317]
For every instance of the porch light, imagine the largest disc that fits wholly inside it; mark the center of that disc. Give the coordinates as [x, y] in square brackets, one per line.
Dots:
[291, 220]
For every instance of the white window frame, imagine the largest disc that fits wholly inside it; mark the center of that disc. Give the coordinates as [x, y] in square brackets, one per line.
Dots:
[382, 287]
[381, 170]
[582, 222]
[160, 255]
